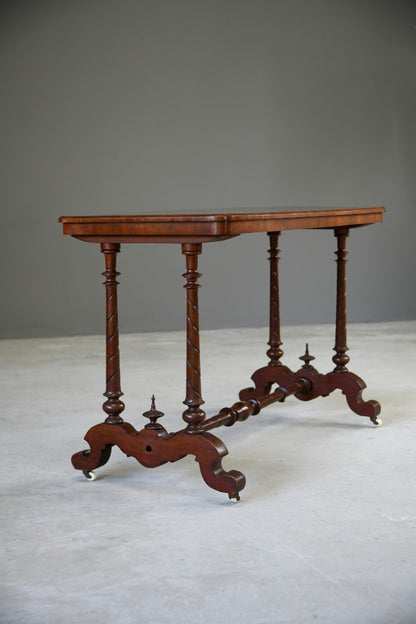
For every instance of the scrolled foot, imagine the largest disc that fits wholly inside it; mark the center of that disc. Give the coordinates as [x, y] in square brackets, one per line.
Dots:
[352, 387]
[209, 452]
[101, 444]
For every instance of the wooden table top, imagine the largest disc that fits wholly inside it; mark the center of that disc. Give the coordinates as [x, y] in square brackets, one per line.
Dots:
[211, 226]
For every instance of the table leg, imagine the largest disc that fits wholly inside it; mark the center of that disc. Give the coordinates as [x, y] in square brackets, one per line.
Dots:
[112, 406]
[99, 454]
[341, 359]
[153, 445]
[275, 372]
[350, 384]
[275, 352]
[194, 415]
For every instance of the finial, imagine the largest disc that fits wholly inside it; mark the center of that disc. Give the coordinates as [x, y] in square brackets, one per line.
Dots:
[307, 358]
[153, 414]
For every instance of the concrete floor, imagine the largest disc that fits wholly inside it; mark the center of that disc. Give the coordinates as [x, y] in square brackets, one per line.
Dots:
[326, 528]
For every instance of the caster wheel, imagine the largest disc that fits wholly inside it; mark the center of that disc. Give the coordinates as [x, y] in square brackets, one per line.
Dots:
[378, 422]
[90, 475]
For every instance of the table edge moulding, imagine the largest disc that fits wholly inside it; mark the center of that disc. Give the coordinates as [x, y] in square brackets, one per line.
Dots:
[152, 445]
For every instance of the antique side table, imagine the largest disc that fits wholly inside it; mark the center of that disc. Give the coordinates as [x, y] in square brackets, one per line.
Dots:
[153, 445]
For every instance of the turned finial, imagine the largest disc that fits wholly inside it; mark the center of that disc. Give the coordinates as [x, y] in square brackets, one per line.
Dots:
[307, 358]
[153, 414]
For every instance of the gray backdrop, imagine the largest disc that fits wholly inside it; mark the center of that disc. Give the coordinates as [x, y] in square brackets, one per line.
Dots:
[130, 105]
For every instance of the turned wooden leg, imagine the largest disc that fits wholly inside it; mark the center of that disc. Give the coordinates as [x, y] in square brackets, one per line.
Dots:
[194, 415]
[112, 406]
[274, 372]
[99, 455]
[350, 384]
[340, 358]
[275, 352]
[153, 445]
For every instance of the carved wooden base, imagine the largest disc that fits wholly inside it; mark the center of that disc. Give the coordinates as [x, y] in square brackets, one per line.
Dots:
[154, 447]
[350, 384]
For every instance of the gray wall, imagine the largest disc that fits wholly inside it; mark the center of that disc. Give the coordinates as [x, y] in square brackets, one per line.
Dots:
[112, 106]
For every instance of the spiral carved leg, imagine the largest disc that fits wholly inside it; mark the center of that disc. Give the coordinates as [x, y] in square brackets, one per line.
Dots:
[112, 406]
[275, 352]
[193, 415]
[99, 455]
[350, 384]
[340, 358]
[274, 372]
[340, 378]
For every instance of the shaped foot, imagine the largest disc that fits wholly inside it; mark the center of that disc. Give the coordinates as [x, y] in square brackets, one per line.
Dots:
[352, 387]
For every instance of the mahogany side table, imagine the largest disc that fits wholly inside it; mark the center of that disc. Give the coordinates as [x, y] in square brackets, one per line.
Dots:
[153, 445]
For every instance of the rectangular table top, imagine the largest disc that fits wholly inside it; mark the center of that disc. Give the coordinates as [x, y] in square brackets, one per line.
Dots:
[213, 225]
